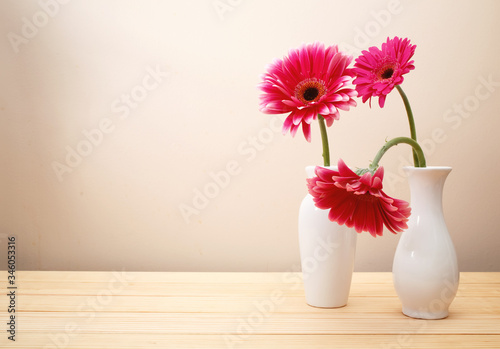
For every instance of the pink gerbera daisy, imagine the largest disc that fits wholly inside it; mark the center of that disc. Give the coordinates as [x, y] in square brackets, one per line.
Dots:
[311, 80]
[358, 201]
[379, 71]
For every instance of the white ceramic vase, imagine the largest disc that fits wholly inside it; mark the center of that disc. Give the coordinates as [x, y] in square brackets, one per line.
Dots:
[327, 252]
[425, 268]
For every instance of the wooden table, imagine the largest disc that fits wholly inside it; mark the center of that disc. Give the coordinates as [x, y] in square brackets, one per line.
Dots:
[233, 310]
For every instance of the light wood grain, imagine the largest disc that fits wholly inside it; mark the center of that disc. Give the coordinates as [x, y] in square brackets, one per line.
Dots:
[169, 341]
[235, 310]
[235, 304]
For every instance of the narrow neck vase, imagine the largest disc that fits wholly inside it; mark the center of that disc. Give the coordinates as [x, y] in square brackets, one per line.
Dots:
[425, 268]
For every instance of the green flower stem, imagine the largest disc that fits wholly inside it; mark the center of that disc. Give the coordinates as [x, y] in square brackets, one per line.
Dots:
[395, 141]
[324, 140]
[411, 121]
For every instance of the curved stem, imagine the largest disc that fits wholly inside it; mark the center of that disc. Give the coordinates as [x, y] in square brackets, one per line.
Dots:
[411, 120]
[324, 140]
[395, 141]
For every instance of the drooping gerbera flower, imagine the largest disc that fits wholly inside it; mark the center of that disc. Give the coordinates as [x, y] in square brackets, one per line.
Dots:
[358, 201]
[379, 71]
[311, 80]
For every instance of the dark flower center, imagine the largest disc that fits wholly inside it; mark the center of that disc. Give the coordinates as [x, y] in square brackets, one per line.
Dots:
[386, 70]
[387, 74]
[310, 93]
[310, 90]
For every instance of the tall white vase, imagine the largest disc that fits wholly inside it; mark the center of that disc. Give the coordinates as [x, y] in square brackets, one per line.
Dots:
[327, 252]
[425, 268]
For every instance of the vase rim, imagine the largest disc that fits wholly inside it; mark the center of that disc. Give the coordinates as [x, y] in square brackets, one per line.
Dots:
[310, 169]
[329, 167]
[448, 168]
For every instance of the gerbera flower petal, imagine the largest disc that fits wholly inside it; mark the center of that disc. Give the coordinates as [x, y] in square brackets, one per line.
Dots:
[309, 116]
[287, 124]
[293, 129]
[330, 118]
[378, 71]
[308, 81]
[298, 115]
[306, 128]
[323, 110]
[358, 201]
[381, 101]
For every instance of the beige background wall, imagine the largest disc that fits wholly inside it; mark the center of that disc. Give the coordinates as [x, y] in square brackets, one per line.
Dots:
[115, 115]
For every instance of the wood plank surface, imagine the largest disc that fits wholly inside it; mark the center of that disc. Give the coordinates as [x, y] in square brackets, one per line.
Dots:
[234, 310]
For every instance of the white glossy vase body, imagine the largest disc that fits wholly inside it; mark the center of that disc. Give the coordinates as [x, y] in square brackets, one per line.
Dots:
[327, 252]
[425, 268]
